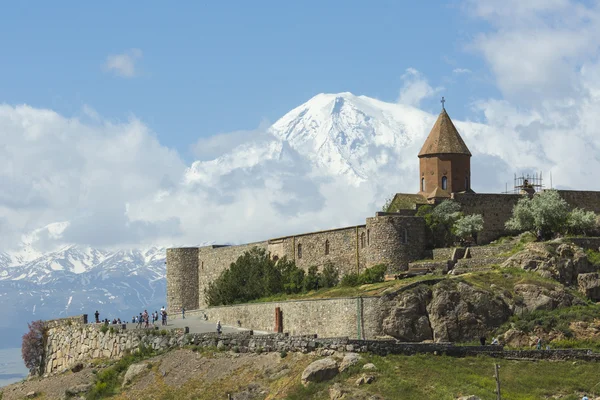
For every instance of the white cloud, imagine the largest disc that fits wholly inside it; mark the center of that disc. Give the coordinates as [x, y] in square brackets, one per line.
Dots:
[461, 71]
[415, 88]
[123, 64]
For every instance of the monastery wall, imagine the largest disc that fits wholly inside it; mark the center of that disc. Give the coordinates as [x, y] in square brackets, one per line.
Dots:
[350, 316]
[587, 200]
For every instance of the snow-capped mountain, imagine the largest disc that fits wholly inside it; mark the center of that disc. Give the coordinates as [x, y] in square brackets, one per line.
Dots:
[79, 280]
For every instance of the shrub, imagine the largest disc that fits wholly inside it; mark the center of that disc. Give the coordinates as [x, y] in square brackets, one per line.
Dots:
[235, 349]
[104, 328]
[283, 354]
[329, 277]
[32, 349]
[581, 222]
[164, 332]
[311, 279]
[112, 330]
[370, 275]
[546, 212]
[254, 275]
[468, 226]
[440, 220]
[349, 280]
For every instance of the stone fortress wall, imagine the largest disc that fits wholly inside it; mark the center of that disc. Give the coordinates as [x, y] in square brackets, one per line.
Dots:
[394, 239]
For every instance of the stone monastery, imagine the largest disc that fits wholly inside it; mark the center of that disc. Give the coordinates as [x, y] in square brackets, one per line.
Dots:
[394, 238]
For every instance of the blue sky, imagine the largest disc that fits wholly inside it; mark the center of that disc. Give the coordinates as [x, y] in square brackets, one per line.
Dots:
[214, 67]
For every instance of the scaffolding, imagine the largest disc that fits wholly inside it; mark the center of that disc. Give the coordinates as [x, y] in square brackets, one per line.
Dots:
[526, 183]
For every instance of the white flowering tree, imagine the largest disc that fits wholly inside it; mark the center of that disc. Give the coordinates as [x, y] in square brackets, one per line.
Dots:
[468, 226]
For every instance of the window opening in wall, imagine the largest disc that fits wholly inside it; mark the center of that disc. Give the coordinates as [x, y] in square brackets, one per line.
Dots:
[368, 236]
[202, 264]
[405, 236]
[444, 183]
[422, 184]
[299, 251]
[362, 240]
[467, 182]
[326, 246]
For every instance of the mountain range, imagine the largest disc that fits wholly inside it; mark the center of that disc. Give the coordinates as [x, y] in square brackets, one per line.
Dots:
[333, 147]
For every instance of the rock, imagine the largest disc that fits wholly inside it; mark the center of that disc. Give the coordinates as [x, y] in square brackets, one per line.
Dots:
[319, 371]
[368, 379]
[336, 392]
[31, 395]
[469, 398]
[560, 261]
[407, 320]
[460, 312]
[516, 338]
[589, 284]
[77, 367]
[78, 389]
[133, 371]
[369, 367]
[349, 360]
[533, 297]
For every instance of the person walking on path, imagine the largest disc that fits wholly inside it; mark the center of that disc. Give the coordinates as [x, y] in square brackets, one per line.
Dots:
[183, 312]
[539, 343]
[219, 327]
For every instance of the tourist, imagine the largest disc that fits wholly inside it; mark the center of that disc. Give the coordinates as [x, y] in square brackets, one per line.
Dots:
[133, 319]
[482, 340]
[146, 318]
[219, 327]
[139, 324]
[495, 341]
[585, 397]
[97, 315]
[539, 343]
[183, 312]
[164, 317]
[156, 315]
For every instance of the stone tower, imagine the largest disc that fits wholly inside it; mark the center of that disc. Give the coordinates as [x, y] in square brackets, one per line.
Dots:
[444, 161]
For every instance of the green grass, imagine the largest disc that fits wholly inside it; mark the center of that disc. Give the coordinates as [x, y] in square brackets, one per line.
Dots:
[558, 320]
[441, 377]
[374, 289]
[593, 257]
[527, 237]
[108, 381]
[507, 278]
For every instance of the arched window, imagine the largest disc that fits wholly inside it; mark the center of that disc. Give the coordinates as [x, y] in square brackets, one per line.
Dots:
[405, 236]
[299, 251]
[368, 234]
[362, 240]
[467, 182]
[422, 184]
[444, 183]
[326, 246]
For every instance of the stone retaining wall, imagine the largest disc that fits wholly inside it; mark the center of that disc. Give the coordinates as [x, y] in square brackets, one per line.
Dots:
[71, 344]
[478, 262]
[347, 316]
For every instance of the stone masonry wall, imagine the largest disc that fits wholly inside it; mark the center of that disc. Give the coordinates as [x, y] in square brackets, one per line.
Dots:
[349, 316]
[587, 200]
[182, 279]
[395, 241]
[71, 344]
[496, 209]
[212, 260]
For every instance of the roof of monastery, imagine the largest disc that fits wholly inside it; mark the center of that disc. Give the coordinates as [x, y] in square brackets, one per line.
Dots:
[444, 138]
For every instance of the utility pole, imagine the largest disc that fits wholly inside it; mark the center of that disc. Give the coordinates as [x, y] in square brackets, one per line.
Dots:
[497, 376]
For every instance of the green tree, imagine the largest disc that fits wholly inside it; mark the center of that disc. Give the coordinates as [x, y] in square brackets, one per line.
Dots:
[545, 213]
[329, 277]
[440, 221]
[311, 279]
[468, 226]
[580, 221]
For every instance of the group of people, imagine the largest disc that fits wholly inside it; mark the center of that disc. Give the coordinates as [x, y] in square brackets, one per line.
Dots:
[144, 318]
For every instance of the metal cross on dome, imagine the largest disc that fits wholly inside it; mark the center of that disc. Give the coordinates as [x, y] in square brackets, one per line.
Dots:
[443, 101]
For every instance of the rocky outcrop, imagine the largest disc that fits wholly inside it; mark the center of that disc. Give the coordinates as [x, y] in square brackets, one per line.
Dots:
[562, 262]
[449, 311]
[349, 360]
[459, 312]
[319, 371]
[133, 371]
[530, 297]
[589, 285]
[408, 320]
